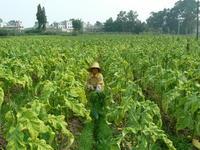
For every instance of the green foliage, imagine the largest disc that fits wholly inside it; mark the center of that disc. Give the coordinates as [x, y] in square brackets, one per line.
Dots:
[86, 139]
[104, 135]
[77, 25]
[15, 138]
[180, 19]
[10, 32]
[58, 123]
[42, 86]
[125, 22]
[41, 17]
[39, 145]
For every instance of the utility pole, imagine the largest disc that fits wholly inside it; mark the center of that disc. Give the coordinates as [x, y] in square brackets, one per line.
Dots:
[179, 24]
[197, 20]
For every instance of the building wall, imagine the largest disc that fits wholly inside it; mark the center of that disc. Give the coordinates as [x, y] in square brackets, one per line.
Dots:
[65, 26]
[14, 24]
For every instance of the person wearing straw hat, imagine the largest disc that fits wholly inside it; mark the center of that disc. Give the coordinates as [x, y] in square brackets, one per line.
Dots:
[95, 86]
[95, 81]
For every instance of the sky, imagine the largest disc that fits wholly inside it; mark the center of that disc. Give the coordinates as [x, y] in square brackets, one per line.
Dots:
[87, 10]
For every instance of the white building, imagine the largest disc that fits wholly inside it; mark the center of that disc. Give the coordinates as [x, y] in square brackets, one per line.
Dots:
[65, 26]
[14, 24]
[56, 25]
[68, 27]
[3, 24]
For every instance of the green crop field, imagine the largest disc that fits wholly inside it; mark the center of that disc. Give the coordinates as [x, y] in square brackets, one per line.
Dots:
[152, 92]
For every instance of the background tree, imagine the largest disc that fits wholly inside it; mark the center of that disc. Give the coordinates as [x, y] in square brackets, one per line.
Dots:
[157, 20]
[1, 20]
[77, 25]
[132, 23]
[109, 25]
[179, 19]
[41, 17]
[187, 14]
[44, 19]
[139, 27]
[173, 21]
[125, 22]
[12, 23]
[121, 21]
[98, 26]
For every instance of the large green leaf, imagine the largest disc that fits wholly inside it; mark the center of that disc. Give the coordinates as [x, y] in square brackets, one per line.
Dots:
[15, 139]
[78, 108]
[47, 90]
[38, 144]
[78, 92]
[59, 124]
[28, 120]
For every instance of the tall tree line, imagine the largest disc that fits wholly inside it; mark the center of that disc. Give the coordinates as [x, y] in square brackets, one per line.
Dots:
[181, 19]
[125, 22]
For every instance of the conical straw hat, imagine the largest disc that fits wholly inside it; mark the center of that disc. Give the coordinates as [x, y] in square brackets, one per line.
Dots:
[95, 65]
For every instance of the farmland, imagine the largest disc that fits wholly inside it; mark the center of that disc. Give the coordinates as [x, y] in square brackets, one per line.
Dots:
[152, 89]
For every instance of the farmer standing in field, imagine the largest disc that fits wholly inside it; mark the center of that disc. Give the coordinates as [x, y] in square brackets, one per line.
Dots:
[95, 86]
[95, 81]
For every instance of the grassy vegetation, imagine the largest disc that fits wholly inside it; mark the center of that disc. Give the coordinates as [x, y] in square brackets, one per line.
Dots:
[152, 92]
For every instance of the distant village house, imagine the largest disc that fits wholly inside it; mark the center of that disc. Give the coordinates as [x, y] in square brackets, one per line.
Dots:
[13, 24]
[64, 26]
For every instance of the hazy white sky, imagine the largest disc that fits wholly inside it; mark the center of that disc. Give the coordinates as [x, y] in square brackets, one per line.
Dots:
[87, 10]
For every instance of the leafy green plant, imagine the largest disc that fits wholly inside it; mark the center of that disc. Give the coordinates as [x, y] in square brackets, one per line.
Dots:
[42, 86]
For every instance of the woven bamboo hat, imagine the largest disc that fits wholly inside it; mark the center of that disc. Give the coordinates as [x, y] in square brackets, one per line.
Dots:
[95, 65]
